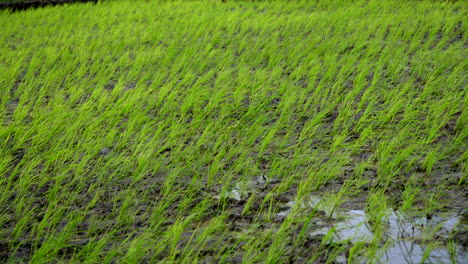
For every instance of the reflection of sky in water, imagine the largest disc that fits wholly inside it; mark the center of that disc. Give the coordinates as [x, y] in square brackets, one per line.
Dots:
[408, 252]
[400, 232]
[242, 189]
[401, 229]
[354, 227]
[402, 226]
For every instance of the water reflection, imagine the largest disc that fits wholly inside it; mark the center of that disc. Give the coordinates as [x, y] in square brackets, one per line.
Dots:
[409, 252]
[402, 234]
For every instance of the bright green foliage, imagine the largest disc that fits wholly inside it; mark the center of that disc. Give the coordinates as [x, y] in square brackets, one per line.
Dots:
[123, 125]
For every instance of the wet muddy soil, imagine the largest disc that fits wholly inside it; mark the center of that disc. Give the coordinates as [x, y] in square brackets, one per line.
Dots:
[401, 238]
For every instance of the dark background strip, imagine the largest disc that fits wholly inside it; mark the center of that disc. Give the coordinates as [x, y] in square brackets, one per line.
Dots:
[23, 5]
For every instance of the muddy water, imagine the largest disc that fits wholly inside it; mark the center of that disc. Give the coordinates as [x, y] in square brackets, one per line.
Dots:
[352, 228]
[401, 238]
[243, 189]
[409, 252]
[402, 233]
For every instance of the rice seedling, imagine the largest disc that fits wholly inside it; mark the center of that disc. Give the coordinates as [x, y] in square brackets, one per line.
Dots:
[230, 132]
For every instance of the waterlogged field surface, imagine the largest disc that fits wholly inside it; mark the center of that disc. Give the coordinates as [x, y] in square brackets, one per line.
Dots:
[209, 132]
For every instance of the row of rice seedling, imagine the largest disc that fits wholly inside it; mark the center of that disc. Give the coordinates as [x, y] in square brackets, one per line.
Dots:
[197, 131]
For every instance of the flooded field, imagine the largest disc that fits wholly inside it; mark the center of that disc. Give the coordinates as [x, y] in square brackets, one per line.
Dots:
[400, 238]
[236, 131]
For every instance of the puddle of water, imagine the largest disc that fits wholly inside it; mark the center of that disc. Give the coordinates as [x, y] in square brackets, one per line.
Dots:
[341, 260]
[401, 230]
[290, 205]
[410, 252]
[401, 226]
[322, 205]
[401, 233]
[352, 228]
[239, 192]
[242, 189]
[235, 194]
[354, 224]
[312, 202]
